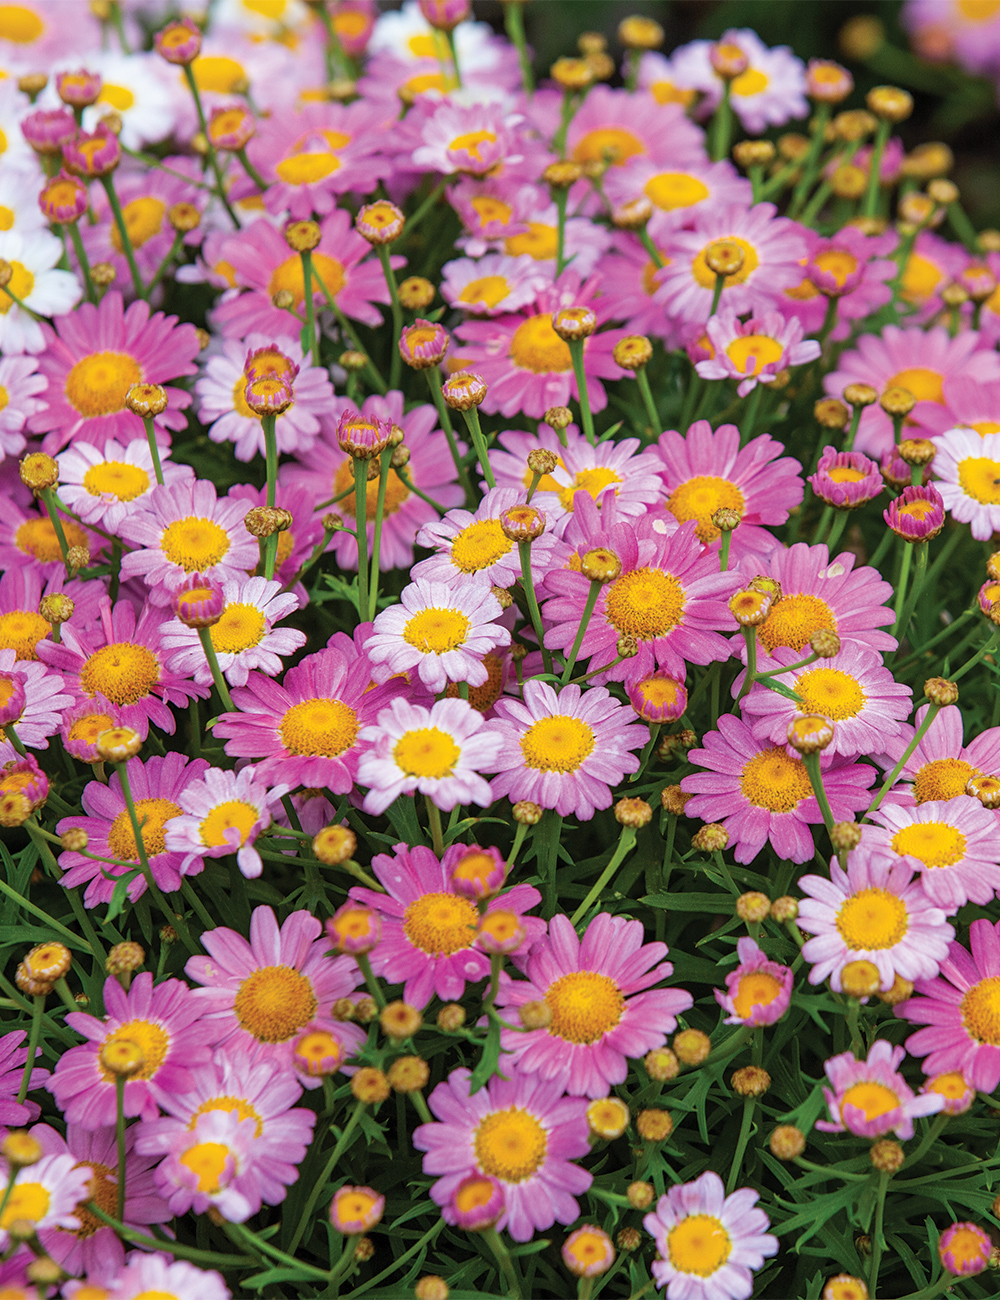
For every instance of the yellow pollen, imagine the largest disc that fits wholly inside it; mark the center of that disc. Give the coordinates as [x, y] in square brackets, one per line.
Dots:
[274, 1002]
[195, 543]
[21, 630]
[835, 694]
[151, 1039]
[37, 538]
[538, 348]
[919, 509]
[981, 1011]
[119, 97]
[665, 92]
[774, 781]
[121, 838]
[102, 1189]
[143, 220]
[488, 209]
[440, 924]
[585, 1006]
[474, 866]
[699, 498]
[122, 672]
[539, 241]
[97, 384]
[872, 919]
[943, 778]
[751, 82]
[845, 474]
[318, 727]
[557, 744]
[436, 630]
[920, 278]
[207, 1161]
[479, 545]
[218, 73]
[396, 493]
[874, 1099]
[233, 814]
[608, 144]
[510, 1145]
[490, 289]
[89, 728]
[978, 11]
[793, 620]
[759, 349]
[670, 190]
[116, 478]
[428, 751]
[469, 143]
[756, 989]
[935, 844]
[288, 275]
[21, 282]
[699, 1244]
[240, 627]
[838, 263]
[661, 692]
[925, 385]
[980, 479]
[646, 603]
[705, 276]
[28, 1201]
[238, 1105]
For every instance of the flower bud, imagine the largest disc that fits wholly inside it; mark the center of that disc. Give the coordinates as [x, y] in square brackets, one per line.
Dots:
[38, 471]
[49, 961]
[479, 874]
[860, 979]
[608, 1118]
[370, 1085]
[654, 1125]
[571, 74]
[848, 181]
[986, 789]
[785, 908]
[627, 647]
[317, 1054]
[633, 812]
[379, 223]
[356, 1209]
[74, 840]
[810, 734]
[845, 1286]
[661, 1064]
[638, 32]
[522, 523]
[268, 395]
[558, 417]
[122, 1057]
[477, 1203]
[21, 1150]
[750, 608]
[354, 928]
[710, 838]
[423, 345]
[464, 390]
[632, 215]
[830, 413]
[563, 173]
[264, 521]
[23, 977]
[753, 906]
[408, 1074]
[124, 958]
[941, 691]
[724, 257]
[753, 153]
[451, 1017]
[588, 1251]
[860, 395]
[535, 1015]
[887, 1156]
[845, 836]
[673, 800]
[574, 323]
[827, 82]
[691, 1046]
[890, 103]
[628, 1239]
[118, 744]
[899, 992]
[500, 931]
[542, 461]
[179, 42]
[428, 1287]
[199, 602]
[56, 608]
[527, 813]
[728, 60]
[633, 352]
[399, 1020]
[78, 557]
[750, 1081]
[416, 293]
[787, 1142]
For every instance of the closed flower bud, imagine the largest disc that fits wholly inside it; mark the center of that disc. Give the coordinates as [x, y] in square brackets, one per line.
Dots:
[860, 395]
[399, 1020]
[429, 1287]
[527, 813]
[573, 323]
[640, 1195]
[627, 647]
[827, 82]
[986, 789]
[44, 1272]
[74, 840]
[535, 1015]
[334, 845]
[542, 461]
[633, 352]
[451, 1017]
[901, 990]
[750, 608]
[479, 874]
[588, 1251]
[20, 1149]
[785, 908]
[710, 838]
[928, 160]
[284, 300]
[500, 931]
[848, 181]
[23, 977]
[793, 146]
[753, 906]
[38, 471]
[608, 1118]
[673, 800]
[845, 1286]
[887, 1156]
[302, 236]
[638, 32]
[416, 293]
[941, 691]
[271, 395]
[628, 1239]
[571, 74]
[787, 1142]
[810, 734]
[32, 84]
[633, 812]
[124, 958]
[750, 1081]
[978, 282]
[356, 1209]
[365, 1010]
[728, 60]
[64, 198]
[168, 935]
[408, 1074]
[691, 1046]
[199, 602]
[661, 1064]
[558, 417]
[562, 174]
[464, 390]
[354, 928]
[57, 608]
[954, 295]
[343, 1009]
[989, 241]
[380, 222]
[48, 961]
[265, 521]
[724, 257]
[890, 103]
[178, 42]
[601, 565]
[231, 128]
[845, 836]
[118, 744]
[860, 979]
[654, 1125]
[753, 153]
[829, 413]
[726, 519]
[370, 1085]
[103, 274]
[364, 1249]
[364, 437]
[964, 1249]
[445, 15]
[78, 557]
[122, 1057]
[423, 345]
[522, 523]
[632, 215]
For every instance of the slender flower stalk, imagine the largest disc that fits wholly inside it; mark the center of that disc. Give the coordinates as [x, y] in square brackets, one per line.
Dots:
[513, 21]
[81, 257]
[361, 520]
[120, 1138]
[213, 157]
[205, 636]
[527, 582]
[385, 463]
[626, 841]
[588, 609]
[311, 343]
[721, 127]
[50, 508]
[870, 205]
[479, 443]
[396, 360]
[815, 773]
[116, 208]
[34, 1037]
[586, 415]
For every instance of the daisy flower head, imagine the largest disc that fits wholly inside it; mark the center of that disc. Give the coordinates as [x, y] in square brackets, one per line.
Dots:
[438, 752]
[429, 929]
[873, 912]
[966, 471]
[440, 631]
[846, 479]
[677, 192]
[958, 1095]
[709, 1244]
[45, 1194]
[631, 284]
[870, 1098]
[205, 1163]
[260, 994]
[759, 793]
[706, 469]
[474, 140]
[941, 765]
[952, 844]
[489, 213]
[152, 1273]
[772, 250]
[184, 529]
[772, 89]
[523, 1132]
[493, 284]
[13, 1058]
[28, 537]
[223, 406]
[584, 242]
[917, 514]
[753, 351]
[603, 1003]
[616, 128]
[221, 813]
[103, 486]
[32, 700]
[166, 1023]
[156, 786]
[245, 637]
[20, 389]
[122, 659]
[40, 289]
[931, 264]
[22, 589]
[473, 546]
[135, 87]
[758, 991]
[855, 269]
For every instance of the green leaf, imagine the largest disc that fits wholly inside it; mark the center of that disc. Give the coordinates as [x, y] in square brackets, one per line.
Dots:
[120, 893]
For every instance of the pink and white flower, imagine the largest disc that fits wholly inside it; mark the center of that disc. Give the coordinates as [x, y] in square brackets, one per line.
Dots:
[870, 1098]
[753, 351]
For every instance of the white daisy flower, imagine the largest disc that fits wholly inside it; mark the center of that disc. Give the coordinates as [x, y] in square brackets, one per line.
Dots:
[223, 813]
[136, 87]
[260, 21]
[14, 149]
[38, 286]
[44, 1194]
[493, 284]
[20, 385]
[102, 486]
[19, 188]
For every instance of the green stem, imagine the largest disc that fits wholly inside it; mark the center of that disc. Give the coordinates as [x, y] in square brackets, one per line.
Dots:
[904, 758]
[169, 914]
[971, 663]
[642, 379]
[583, 397]
[312, 337]
[750, 414]
[372, 984]
[53, 513]
[626, 841]
[116, 208]
[888, 537]
[870, 205]
[810, 161]
[161, 270]
[413, 221]
[213, 157]
[361, 522]
[839, 524]
[916, 586]
[524, 552]
[560, 195]
[383, 479]
[502, 1256]
[479, 442]
[35, 832]
[347, 329]
[434, 822]
[901, 585]
[11, 1178]
[852, 432]
[241, 1234]
[519, 834]
[251, 170]
[120, 1135]
[205, 637]
[815, 772]
[725, 542]
[741, 1145]
[513, 21]
[267, 423]
[150, 426]
[38, 1007]
[433, 376]
[721, 126]
[197, 906]
[877, 1236]
[581, 631]
[81, 257]
[934, 1131]
[306, 1217]
[207, 1257]
[750, 637]
[395, 360]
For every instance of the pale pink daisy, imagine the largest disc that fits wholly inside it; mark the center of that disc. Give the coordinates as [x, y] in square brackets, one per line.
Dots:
[492, 284]
[617, 127]
[186, 529]
[205, 1163]
[20, 389]
[769, 93]
[27, 536]
[754, 350]
[523, 1132]
[931, 264]
[438, 752]
[673, 79]
[473, 140]
[565, 751]
[42, 696]
[952, 1086]
[473, 546]
[942, 764]
[603, 1003]
[584, 241]
[22, 588]
[870, 1098]
[146, 1274]
[709, 1244]
[760, 794]
[758, 991]
[972, 405]
[44, 1194]
[630, 282]
[851, 266]
[42, 288]
[872, 912]
[967, 474]
[222, 813]
[952, 844]
[103, 485]
[679, 190]
[489, 214]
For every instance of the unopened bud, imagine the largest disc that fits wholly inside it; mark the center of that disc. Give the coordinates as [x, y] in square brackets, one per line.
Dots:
[451, 1017]
[710, 838]
[860, 395]
[830, 413]
[787, 1142]
[146, 399]
[38, 471]
[750, 1081]
[724, 257]
[633, 812]
[887, 1156]
[897, 400]
[640, 1195]
[753, 906]
[535, 1015]
[860, 979]
[370, 1085]
[399, 1020]
[899, 992]
[415, 294]
[941, 691]
[661, 1064]
[691, 1046]
[810, 734]
[673, 800]
[785, 908]
[527, 813]
[654, 1125]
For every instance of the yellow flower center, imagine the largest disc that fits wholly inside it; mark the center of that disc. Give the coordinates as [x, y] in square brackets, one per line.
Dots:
[116, 478]
[539, 241]
[698, 1244]
[671, 190]
[872, 919]
[318, 727]
[233, 814]
[28, 1201]
[469, 142]
[21, 630]
[308, 167]
[935, 844]
[585, 1006]
[874, 1099]
[479, 545]
[774, 781]
[102, 1189]
[845, 474]
[488, 209]
[943, 778]
[21, 282]
[473, 1194]
[759, 349]
[97, 384]
[218, 73]
[981, 1011]
[645, 603]
[20, 25]
[705, 276]
[37, 538]
[608, 144]
[918, 509]
[952, 1086]
[274, 1002]
[122, 672]
[978, 11]
[396, 492]
[119, 97]
[510, 1145]
[436, 631]
[240, 627]
[838, 263]
[440, 924]
[751, 82]
[980, 479]
[428, 751]
[984, 426]
[289, 276]
[659, 692]
[490, 289]
[758, 989]
[699, 498]
[143, 220]
[121, 837]
[89, 728]
[793, 620]
[151, 1039]
[595, 481]
[195, 543]
[538, 348]
[835, 694]
[920, 278]
[925, 385]
[207, 1161]
[665, 92]
[557, 744]
[239, 1105]
[4, 396]
[429, 45]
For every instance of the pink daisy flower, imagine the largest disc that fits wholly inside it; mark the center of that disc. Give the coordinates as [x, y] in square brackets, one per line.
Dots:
[13, 1058]
[604, 1007]
[223, 406]
[261, 994]
[709, 1244]
[585, 242]
[952, 844]
[919, 360]
[222, 813]
[493, 284]
[45, 1194]
[92, 358]
[20, 386]
[846, 479]
[772, 247]
[93, 1246]
[263, 263]
[145, 1273]
[28, 537]
[630, 283]
[105, 485]
[753, 351]
[305, 730]
[618, 127]
[523, 1132]
[959, 1009]
[870, 1098]
[525, 363]
[22, 588]
[440, 631]
[122, 659]
[325, 471]
[168, 1024]
[156, 786]
[565, 751]
[489, 214]
[672, 80]
[769, 93]
[42, 693]
[851, 266]
[681, 191]
[871, 912]
[758, 991]
[946, 31]
[942, 764]
[707, 469]
[186, 529]
[473, 140]
[428, 930]
[932, 263]
[205, 1164]
[761, 794]
[966, 470]
[972, 405]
